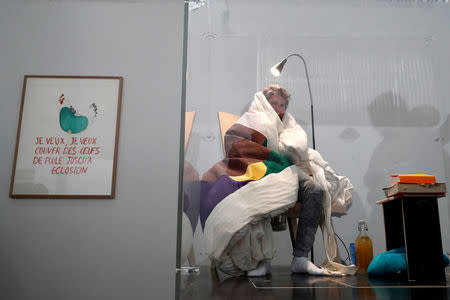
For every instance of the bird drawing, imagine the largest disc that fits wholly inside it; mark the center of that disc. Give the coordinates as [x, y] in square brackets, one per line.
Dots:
[72, 121]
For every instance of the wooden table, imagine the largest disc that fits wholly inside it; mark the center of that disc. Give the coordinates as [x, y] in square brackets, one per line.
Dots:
[412, 220]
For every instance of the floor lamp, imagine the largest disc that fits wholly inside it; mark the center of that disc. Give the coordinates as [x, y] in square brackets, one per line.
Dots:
[276, 71]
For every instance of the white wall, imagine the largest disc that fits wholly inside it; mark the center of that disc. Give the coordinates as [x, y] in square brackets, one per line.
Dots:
[123, 248]
[378, 73]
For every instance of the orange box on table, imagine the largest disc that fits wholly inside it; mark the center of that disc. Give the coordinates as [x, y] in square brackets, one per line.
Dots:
[412, 178]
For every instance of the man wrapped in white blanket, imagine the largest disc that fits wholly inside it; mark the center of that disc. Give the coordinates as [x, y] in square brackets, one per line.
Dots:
[317, 195]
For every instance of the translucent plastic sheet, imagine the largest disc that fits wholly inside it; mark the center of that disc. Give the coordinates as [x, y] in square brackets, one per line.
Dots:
[380, 97]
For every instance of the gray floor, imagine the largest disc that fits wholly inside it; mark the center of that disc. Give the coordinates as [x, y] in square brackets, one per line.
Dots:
[282, 284]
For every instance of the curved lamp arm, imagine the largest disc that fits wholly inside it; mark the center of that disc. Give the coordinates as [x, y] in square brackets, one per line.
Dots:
[276, 71]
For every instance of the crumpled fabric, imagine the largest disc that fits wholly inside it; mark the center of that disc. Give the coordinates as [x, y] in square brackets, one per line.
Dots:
[232, 222]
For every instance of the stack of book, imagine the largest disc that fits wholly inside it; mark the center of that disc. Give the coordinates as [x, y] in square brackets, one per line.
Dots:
[414, 185]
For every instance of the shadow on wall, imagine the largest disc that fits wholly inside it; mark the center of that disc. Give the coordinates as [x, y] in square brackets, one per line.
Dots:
[445, 141]
[391, 110]
[404, 144]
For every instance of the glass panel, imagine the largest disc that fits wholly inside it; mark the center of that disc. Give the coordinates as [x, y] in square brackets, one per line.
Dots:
[379, 91]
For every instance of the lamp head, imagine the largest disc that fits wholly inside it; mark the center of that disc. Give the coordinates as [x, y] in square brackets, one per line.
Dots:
[276, 70]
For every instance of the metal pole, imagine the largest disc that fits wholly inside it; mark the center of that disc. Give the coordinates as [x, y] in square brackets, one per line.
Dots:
[310, 97]
[312, 117]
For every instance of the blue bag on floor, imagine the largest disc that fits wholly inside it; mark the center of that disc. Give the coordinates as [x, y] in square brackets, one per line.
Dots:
[391, 262]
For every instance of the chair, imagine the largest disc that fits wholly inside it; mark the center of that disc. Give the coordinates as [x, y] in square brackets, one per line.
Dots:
[226, 120]
[189, 121]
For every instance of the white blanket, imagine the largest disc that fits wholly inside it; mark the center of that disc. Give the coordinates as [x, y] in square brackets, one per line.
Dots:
[237, 232]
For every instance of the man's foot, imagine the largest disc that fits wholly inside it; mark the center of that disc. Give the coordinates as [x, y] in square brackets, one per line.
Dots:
[262, 270]
[304, 265]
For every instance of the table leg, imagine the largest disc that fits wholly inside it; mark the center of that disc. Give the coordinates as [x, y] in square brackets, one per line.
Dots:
[393, 224]
[423, 239]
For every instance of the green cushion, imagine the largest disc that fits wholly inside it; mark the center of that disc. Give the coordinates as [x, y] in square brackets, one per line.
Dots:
[391, 262]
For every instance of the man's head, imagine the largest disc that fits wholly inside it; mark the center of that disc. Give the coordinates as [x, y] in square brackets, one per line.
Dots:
[278, 97]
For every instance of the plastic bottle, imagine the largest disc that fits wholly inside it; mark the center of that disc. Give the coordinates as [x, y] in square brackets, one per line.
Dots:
[352, 253]
[363, 248]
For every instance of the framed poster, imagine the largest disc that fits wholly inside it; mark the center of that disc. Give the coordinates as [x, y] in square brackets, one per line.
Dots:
[67, 137]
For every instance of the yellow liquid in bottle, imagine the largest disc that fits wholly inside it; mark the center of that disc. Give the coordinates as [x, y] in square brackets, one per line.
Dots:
[364, 253]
